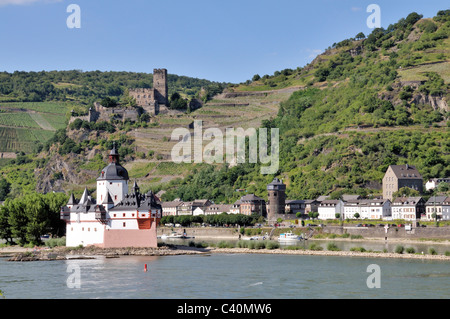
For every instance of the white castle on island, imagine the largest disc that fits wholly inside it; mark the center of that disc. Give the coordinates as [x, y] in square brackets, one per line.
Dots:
[116, 218]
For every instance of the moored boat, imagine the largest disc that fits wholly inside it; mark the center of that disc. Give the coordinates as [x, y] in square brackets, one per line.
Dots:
[289, 237]
[175, 235]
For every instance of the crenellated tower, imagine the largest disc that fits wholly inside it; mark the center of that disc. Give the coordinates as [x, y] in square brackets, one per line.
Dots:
[160, 86]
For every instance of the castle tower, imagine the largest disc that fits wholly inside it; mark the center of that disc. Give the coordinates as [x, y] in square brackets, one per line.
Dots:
[113, 180]
[160, 86]
[277, 199]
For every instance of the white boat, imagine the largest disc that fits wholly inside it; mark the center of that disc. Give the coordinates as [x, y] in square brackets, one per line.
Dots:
[289, 237]
[174, 235]
[255, 238]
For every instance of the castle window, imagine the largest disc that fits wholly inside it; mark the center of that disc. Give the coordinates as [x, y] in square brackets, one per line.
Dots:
[123, 215]
[124, 224]
[115, 197]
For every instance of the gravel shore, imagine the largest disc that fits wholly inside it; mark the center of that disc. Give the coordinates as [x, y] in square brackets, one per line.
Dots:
[63, 253]
[328, 253]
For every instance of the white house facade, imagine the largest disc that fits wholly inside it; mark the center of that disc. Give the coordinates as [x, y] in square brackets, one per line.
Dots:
[329, 208]
[367, 208]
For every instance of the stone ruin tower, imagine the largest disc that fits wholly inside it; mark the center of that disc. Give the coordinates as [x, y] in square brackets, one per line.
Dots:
[152, 99]
[160, 86]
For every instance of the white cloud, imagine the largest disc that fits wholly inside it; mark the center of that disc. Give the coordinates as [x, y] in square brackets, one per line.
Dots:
[24, 2]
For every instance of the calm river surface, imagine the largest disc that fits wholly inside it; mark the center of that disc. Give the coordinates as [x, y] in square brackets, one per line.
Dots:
[224, 276]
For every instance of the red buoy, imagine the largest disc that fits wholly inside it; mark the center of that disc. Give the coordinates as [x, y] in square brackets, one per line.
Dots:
[145, 267]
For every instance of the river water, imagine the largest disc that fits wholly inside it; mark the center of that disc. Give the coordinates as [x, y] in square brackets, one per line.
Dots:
[224, 276]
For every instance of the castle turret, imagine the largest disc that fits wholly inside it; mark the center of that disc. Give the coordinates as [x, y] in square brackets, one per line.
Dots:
[113, 179]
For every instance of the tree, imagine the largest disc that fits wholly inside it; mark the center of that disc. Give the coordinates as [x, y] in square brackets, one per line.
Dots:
[5, 188]
[405, 192]
[55, 201]
[413, 17]
[5, 228]
[256, 77]
[29, 217]
[360, 36]
[37, 212]
[321, 74]
[108, 102]
[356, 215]
[313, 215]
[17, 220]
[177, 102]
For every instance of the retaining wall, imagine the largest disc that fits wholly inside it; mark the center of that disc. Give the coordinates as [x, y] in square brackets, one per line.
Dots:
[367, 232]
[393, 232]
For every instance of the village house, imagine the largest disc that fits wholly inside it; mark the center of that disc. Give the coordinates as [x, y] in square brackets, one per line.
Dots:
[188, 208]
[236, 207]
[171, 208]
[398, 176]
[329, 208]
[446, 209]
[367, 208]
[294, 206]
[408, 208]
[302, 206]
[217, 209]
[434, 182]
[251, 204]
[435, 204]
[311, 205]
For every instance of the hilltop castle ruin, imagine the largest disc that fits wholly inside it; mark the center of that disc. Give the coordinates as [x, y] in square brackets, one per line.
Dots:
[152, 100]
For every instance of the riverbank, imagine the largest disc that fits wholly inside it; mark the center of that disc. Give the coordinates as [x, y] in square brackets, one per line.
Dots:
[329, 253]
[66, 253]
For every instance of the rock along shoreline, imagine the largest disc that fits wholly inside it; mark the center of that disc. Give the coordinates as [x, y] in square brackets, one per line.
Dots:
[64, 253]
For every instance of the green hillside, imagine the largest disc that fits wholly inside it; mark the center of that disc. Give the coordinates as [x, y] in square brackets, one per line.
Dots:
[365, 103]
[33, 105]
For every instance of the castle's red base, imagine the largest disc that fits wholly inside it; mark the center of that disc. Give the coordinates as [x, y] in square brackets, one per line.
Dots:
[139, 238]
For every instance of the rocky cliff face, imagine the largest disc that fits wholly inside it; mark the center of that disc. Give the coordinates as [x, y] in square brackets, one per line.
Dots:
[436, 101]
[61, 172]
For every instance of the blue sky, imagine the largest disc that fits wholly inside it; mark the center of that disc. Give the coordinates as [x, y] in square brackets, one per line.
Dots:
[227, 41]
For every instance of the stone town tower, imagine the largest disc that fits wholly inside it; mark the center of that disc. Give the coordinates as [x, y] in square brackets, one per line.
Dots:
[277, 199]
[160, 86]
